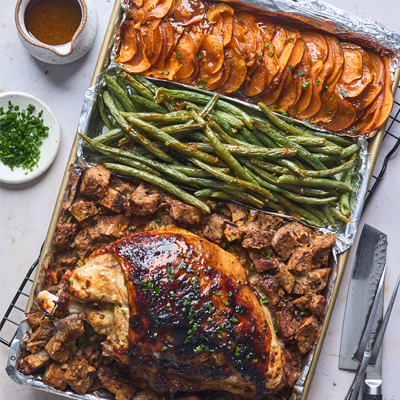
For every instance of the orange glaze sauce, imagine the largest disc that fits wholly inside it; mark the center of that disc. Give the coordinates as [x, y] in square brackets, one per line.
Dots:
[53, 22]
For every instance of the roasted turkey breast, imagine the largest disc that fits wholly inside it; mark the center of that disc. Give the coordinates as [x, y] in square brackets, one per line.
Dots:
[180, 311]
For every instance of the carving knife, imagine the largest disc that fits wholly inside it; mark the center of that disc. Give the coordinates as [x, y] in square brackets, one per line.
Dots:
[367, 269]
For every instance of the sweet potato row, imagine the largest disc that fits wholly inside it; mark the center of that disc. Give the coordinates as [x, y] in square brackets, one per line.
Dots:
[306, 75]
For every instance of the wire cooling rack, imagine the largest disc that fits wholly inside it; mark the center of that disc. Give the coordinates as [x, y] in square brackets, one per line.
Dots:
[390, 143]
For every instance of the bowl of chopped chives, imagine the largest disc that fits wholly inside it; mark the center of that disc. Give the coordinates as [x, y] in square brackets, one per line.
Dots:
[29, 137]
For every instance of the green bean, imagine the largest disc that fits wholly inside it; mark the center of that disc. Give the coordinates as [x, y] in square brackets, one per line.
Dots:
[305, 214]
[209, 107]
[329, 172]
[196, 172]
[204, 193]
[230, 188]
[138, 137]
[120, 80]
[250, 137]
[325, 149]
[175, 117]
[174, 130]
[328, 214]
[220, 149]
[160, 182]
[347, 178]
[248, 151]
[204, 99]
[117, 91]
[117, 103]
[170, 141]
[109, 136]
[286, 193]
[315, 182]
[114, 152]
[315, 211]
[139, 87]
[271, 167]
[282, 140]
[146, 83]
[222, 123]
[340, 140]
[308, 141]
[349, 151]
[338, 214]
[240, 182]
[233, 121]
[103, 114]
[148, 104]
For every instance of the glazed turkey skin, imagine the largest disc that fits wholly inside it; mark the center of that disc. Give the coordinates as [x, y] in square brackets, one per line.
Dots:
[180, 311]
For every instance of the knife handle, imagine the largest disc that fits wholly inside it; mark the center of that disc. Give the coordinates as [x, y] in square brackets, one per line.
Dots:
[367, 396]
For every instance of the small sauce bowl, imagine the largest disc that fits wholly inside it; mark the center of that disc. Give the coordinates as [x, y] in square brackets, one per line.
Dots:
[80, 44]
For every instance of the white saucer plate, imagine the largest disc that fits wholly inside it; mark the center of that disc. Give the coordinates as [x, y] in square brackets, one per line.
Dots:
[48, 149]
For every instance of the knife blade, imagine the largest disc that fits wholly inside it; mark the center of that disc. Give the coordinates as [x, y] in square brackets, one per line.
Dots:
[369, 262]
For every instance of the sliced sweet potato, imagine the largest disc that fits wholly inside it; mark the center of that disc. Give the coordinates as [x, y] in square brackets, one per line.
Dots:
[196, 34]
[267, 29]
[184, 50]
[365, 126]
[271, 63]
[127, 47]
[137, 3]
[278, 40]
[139, 62]
[171, 67]
[364, 99]
[270, 97]
[150, 9]
[221, 14]
[149, 33]
[226, 70]
[356, 87]
[387, 102]
[189, 11]
[305, 96]
[257, 81]
[190, 80]
[297, 54]
[378, 69]
[216, 9]
[170, 39]
[314, 106]
[210, 54]
[329, 107]
[338, 61]
[251, 32]
[286, 51]
[352, 68]
[237, 73]
[326, 68]
[302, 102]
[157, 45]
[239, 41]
[316, 52]
[288, 94]
[344, 117]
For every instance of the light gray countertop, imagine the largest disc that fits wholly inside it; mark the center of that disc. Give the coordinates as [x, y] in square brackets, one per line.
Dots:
[25, 210]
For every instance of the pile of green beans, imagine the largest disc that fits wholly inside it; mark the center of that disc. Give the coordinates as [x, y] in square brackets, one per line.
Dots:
[181, 138]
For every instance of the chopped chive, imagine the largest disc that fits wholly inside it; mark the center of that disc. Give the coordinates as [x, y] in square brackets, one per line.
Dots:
[304, 314]
[164, 348]
[165, 73]
[266, 45]
[296, 110]
[301, 72]
[226, 303]
[199, 56]
[306, 85]
[317, 81]
[328, 111]
[284, 113]
[179, 55]
[291, 67]
[234, 320]
[271, 54]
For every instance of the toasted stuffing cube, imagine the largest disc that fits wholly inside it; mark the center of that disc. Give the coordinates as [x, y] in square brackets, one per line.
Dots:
[307, 334]
[83, 209]
[95, 181]
[184, 213]
[55, 376]
[300, 262]
[114, 201]
[283, 243]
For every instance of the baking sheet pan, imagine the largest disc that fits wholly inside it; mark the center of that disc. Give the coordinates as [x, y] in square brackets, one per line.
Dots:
[102, 63]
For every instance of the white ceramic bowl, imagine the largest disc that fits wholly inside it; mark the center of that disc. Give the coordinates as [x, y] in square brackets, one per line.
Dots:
[48, 149]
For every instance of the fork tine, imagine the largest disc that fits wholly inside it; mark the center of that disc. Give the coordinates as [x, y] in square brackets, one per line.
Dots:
[378, 342]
